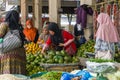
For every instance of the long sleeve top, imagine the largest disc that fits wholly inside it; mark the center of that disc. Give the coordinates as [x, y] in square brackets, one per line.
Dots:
[66, 36]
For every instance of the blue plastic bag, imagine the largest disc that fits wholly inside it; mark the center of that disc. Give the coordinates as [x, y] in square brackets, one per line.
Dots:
[85, 75]
[67, 76]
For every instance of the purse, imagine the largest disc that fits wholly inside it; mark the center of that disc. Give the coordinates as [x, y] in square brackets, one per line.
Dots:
[11, 41]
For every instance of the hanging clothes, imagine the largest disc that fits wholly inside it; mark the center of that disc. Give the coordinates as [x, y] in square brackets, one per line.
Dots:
[117, 20]
[109, 7]
[82, 12]
[106, 31]
[114, 14]
[95, 15]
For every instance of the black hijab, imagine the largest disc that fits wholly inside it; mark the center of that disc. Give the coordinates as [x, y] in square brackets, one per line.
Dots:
[57, 37]
[12, 18]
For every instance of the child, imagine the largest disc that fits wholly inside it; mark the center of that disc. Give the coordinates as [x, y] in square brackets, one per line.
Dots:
[43, 37]
[3, 30]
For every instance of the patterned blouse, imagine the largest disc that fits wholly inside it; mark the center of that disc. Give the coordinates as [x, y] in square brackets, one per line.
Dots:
[104, 46]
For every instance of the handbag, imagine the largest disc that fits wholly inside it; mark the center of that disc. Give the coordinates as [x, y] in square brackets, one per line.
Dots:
[11, 41]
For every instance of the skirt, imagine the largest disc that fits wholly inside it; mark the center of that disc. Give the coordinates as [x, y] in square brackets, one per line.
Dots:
[13, 62]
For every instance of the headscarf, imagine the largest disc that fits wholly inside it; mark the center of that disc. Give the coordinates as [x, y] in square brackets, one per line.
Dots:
[3, 29]
[30, 33]
[12, 18]
[106, 31]
[57, 37]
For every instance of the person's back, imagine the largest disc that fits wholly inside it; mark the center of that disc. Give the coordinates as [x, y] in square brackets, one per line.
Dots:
[13, 56]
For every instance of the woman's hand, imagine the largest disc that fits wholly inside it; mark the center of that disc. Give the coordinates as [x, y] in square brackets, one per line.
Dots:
[27, 39]
[43, 52]
[61, 44]
[44, 48]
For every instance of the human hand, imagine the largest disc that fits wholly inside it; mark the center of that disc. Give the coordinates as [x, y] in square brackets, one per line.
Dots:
[27, 39]
[61, 44]
[43, 52]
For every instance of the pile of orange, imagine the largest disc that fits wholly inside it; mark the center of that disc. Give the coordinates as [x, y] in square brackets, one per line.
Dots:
[32, 48]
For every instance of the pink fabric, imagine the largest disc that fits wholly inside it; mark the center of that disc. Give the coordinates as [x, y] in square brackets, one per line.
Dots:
[106, 31]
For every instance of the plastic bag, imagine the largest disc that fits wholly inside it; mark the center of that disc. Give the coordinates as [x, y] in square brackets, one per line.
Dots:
[67, 76]
[85, 75]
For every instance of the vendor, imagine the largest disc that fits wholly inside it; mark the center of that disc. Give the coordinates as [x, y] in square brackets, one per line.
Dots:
[30, 32]
[61, 39]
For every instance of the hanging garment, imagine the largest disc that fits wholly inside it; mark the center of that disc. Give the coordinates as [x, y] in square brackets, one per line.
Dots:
[109, 9]
[82, 12]
[95, 14]
[106, 31]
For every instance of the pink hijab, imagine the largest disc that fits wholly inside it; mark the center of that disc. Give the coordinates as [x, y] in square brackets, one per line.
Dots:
[106, 31]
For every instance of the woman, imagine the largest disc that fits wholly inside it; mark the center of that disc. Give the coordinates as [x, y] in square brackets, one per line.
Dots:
[106, 36]
[30, 32]
[12, 58]
[43, 36]
[61, 39]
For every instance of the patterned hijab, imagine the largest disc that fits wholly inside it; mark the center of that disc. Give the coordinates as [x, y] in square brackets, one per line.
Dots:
[106, 31]
[30, 33]
[3, 29]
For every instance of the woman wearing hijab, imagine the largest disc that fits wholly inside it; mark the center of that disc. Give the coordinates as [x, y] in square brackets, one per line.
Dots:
[13, 58]
[30, 32]
[106, 36]
[61, 39]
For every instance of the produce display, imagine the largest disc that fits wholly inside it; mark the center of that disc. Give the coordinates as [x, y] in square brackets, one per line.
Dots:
[33, 65]
[58, 57]
[87, 47]
[53, 75]
[32, 48]
[34, 58]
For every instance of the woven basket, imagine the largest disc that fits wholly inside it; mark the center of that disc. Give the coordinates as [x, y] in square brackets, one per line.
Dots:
[61, 67]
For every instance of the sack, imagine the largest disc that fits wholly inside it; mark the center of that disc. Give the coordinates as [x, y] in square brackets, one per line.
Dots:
[70, 50]
[104, 55]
